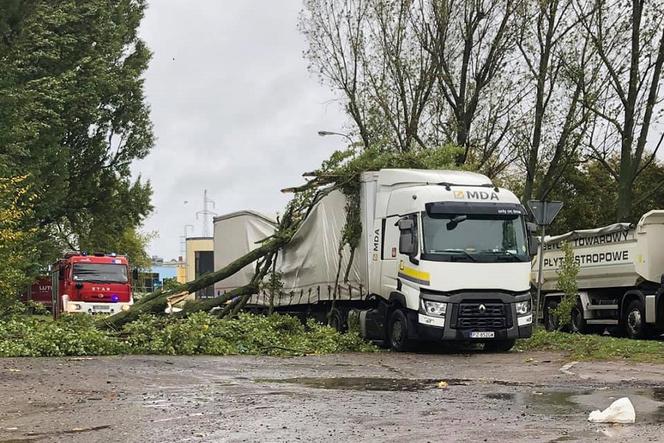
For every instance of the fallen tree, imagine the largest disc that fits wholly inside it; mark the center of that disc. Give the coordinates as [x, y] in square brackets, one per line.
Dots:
[342, 171]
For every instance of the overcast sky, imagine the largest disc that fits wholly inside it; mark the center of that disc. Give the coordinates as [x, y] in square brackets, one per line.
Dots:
[235, 110]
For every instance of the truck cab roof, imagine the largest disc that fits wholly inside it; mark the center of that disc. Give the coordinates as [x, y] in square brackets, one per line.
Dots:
[410, 177]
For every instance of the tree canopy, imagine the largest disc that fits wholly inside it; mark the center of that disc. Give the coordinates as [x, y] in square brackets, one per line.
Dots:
[73, 117]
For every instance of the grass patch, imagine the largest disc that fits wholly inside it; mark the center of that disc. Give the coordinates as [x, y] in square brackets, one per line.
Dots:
[594, 347]
[199, 334]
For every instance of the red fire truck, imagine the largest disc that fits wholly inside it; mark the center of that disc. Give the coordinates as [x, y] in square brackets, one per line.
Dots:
[39, 292]
[96, 283]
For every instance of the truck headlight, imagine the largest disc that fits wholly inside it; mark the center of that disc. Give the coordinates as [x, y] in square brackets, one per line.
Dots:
[523, 307]
[434, 307]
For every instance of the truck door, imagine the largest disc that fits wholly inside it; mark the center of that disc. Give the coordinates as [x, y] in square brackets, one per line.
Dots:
[389, 254]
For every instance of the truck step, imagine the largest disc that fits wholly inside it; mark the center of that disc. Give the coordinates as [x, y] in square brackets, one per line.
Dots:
[602, 321]
[601, 307]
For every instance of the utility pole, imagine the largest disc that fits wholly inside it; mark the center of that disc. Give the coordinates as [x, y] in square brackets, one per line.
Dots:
[206, 213]
[183, 241]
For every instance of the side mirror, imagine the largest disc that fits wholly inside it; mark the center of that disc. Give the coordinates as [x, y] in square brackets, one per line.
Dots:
[531, 227]
[406, 224]
[407, 237]
[533, 246]
[134, 275]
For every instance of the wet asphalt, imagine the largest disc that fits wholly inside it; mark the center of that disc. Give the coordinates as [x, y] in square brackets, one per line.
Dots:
[345, 397]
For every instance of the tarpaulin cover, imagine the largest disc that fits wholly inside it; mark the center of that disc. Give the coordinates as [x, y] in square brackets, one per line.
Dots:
[235, 235]
[310, 262]
[584, 233]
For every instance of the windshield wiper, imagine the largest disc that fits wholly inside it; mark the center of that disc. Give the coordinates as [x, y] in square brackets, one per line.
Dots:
[505, 252]
[458, 251]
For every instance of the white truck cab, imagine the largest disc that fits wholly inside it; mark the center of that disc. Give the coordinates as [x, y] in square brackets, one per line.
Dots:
[451, 259]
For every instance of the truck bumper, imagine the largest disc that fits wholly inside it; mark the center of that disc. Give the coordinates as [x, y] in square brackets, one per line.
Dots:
[79, 307]
[420, 331]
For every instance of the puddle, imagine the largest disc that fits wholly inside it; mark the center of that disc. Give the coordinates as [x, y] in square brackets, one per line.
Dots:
[648, 403]
[366, 383]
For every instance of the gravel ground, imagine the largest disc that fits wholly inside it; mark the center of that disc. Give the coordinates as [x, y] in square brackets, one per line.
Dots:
[344, 397]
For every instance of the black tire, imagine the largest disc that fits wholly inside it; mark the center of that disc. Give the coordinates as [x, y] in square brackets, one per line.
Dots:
[551, 322]
[499, 345]
[397, 331]
[335, 319]
[577, 322]
[635, 320]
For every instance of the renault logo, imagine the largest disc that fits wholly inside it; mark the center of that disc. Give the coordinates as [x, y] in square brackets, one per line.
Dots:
[482, 309]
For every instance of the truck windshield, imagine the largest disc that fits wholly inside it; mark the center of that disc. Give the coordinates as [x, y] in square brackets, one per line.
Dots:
[100, 272]
[474, 237]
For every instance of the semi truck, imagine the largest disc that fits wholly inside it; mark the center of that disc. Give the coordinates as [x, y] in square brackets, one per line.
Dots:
[620, 280]
[92, 284]
[443, 256]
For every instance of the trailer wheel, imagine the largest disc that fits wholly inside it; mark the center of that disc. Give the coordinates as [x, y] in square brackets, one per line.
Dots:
[551, 322]
[577, 322]
[335, 320]
[398, 331]
[499, 345]
[635, 320]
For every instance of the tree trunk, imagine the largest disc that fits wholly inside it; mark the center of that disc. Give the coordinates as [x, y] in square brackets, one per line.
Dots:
[158, 303]
[625, 199]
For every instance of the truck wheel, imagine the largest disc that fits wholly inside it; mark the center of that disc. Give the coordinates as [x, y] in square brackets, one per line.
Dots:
[551, 322]
[336, 320]
[577, 322]
[635, 320]
[398, 331]
[499, 345]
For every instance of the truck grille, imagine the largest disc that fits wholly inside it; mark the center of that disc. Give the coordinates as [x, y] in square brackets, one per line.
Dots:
[491, 323]
[473, 310]
[482, 315]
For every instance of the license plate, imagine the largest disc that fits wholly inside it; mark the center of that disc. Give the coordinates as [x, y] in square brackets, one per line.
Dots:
[101, 308]
[482, 334]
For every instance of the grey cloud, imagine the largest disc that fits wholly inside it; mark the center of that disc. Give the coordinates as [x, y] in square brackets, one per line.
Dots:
[234, 108]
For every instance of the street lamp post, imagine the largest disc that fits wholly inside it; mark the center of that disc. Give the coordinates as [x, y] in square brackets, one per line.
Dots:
[326, 133]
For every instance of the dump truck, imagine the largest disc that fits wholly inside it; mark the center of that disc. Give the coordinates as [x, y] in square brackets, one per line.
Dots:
[620, 279]
[443, 256]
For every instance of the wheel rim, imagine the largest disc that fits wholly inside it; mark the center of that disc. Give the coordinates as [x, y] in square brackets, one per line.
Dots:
[397, 332]
[634, 321]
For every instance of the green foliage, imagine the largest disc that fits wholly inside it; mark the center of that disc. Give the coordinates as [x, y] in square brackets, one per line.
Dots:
[171, 284]
[17, 249]
[590, 193]
[73, 117]
[594, 347]
[347, 166]
[200, 333]
[567, 273]
[11, 307]
[273, 286]
[40, 337]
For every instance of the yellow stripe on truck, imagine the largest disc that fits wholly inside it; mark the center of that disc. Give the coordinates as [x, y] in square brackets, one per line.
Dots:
[414, 275]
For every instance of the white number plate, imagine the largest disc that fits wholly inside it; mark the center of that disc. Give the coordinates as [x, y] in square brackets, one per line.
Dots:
[101, 308]
[482, 334]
